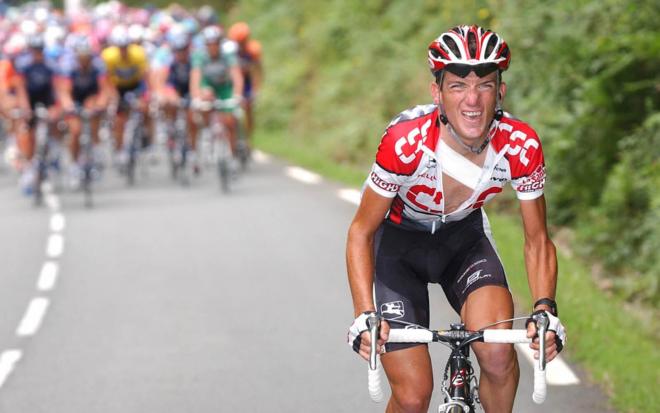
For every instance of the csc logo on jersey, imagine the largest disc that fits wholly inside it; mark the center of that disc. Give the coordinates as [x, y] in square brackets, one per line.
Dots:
[515, 148]
[406, 147]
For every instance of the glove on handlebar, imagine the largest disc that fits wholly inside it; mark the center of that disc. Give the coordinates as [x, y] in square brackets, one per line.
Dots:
[359, 326]
[555, 326]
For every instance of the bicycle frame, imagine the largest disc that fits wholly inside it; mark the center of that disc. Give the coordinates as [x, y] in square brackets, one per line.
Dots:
[222, 153]
[86, 153]
[41, 150]
[133, 136]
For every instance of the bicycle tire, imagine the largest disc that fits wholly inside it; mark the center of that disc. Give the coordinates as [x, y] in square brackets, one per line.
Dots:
[87, 186]
[242, 149]
[37, 186]
[182, 148]
[133, 154]
[223, 171]
[41, 138]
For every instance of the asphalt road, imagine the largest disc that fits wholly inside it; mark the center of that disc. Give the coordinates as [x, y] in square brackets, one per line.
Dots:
[171, 299]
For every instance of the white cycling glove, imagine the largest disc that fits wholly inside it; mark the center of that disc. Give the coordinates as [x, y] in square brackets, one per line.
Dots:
[359, 326]
[555, 326]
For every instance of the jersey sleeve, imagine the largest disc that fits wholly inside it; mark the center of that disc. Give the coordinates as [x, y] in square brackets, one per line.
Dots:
[230, 52]
[197, 59]
[388, 173]
[527, 166]
[142, 61]
[99, 65]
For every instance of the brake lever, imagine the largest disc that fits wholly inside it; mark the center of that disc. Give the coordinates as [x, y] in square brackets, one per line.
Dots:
[373, 322]
[542, 327]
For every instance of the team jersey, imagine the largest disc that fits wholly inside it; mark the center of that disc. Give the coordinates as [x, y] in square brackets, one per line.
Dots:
[178, 76]
[161, 57]
[216, 72]
[84, 83]
[247, 60]
[409, 168]
[39, 78]
[7, 75]
[125, 73]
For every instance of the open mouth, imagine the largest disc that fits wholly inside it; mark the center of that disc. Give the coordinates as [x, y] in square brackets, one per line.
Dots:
[471, 115]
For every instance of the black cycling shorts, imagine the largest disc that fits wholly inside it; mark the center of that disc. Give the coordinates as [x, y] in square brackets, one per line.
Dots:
[459, 256]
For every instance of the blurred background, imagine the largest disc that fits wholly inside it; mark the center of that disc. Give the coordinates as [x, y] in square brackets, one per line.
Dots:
[583, 74]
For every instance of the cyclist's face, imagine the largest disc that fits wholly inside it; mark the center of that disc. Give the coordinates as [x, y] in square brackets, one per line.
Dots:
[213, 48]
[469, 102]
[84, 59]
[181, 54]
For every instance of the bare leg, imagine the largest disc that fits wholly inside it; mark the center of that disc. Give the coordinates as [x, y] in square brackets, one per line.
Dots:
[499, 366]
[411, 378]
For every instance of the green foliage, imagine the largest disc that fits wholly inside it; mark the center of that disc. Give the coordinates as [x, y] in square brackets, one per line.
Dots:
[595, 104]
[593, 322]
[584, 74]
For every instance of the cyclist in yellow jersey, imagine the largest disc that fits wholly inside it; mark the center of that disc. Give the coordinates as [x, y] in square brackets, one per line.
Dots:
[127, 68]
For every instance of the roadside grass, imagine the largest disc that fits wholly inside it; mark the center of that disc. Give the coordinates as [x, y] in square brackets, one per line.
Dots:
[618, 351]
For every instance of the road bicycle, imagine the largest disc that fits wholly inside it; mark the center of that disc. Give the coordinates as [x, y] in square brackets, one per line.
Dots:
[47, 151]
[178, 147]
[221, 152]
[459, 385]
[135, 138]
[89, 166]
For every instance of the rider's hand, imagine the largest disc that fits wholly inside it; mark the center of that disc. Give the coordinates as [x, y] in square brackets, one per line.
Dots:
[359, 339]
[555, 336]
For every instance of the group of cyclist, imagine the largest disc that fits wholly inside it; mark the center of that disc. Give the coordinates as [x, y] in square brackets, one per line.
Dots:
[113, 56]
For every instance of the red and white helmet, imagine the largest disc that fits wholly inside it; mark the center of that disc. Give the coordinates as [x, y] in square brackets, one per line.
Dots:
[468, 45]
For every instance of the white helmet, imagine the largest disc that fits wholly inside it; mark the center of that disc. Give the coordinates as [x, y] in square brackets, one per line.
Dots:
[136, 33]
[119, 36]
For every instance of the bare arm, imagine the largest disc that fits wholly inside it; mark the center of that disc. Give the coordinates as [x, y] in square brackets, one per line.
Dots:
[359, 248]
[540, 253]
[21, 94]
[541, 263]
[64, 90]
[237, 80]
[195, 80]
[257, 75]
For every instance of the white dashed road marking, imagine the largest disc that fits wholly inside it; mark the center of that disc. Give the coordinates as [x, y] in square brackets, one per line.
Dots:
[33, 317]
[350, 195]
[260, 157]
[36, 311]
[55, 245]
[8, 360]
[48, 276]
[57, 222]
[303, 175]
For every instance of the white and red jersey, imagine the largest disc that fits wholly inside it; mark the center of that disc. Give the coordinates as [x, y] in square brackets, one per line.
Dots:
[409, 167]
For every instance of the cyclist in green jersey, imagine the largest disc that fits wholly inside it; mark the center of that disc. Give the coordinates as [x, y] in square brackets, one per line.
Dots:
[216, 75]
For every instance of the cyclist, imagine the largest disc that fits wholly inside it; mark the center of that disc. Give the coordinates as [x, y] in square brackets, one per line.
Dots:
[216, 75]
[249, 58]
[38, 82]
[86, 87]
[172, 82]
[8, 84]
[435, 168]
[127, 69]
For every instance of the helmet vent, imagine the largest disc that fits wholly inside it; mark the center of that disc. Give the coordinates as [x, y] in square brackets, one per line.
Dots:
[492, 42]
[472, 45]
[452, 45]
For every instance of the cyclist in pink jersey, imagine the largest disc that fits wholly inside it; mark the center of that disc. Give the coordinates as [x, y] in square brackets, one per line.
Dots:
[435, 168]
